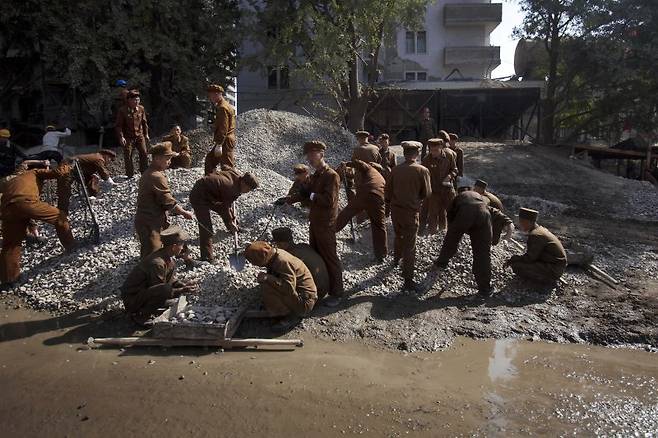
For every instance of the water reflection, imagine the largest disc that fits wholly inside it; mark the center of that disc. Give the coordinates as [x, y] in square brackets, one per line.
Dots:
[500, 363]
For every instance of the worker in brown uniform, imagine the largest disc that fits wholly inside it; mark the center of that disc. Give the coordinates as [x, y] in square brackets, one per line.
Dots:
[282, 238]
[453, 138]
[322, 192]
[288, 288]
[181, 145]
[491, 199]
[407, 188]
[469, 214]
[20, 204]
[365, 151]
[425, 129]
[302, 174]
[223, 152]
[545, 259]
[153, 281]
[94, 169]
[217, 192]
[132, 131]
[154, 200]
[369, 198]
[388, 156]
[443, 170]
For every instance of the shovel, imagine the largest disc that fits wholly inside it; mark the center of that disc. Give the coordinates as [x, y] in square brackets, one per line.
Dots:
[236, 260]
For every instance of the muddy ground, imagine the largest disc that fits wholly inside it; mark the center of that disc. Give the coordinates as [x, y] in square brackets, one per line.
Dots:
[52, 386]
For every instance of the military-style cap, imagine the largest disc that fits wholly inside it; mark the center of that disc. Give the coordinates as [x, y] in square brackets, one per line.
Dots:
[464, 183]
[480, 183]
[173, 235]
[384, 136]
[300, 168]
[314, 145]
[282, 234]
[443, 135]
[528, 214]
[250, 180]
[362, 134]
[4, 133]
[214, 88]
[454, 136]
[412, 145]
[435, 142]
[133, 93]
[259, 253]
[164, 148]
[108, 152]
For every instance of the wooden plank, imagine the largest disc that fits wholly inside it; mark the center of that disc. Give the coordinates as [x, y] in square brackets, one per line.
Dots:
[219, 343]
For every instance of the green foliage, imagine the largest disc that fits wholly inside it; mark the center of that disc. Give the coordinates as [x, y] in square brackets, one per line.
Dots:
[168, 48]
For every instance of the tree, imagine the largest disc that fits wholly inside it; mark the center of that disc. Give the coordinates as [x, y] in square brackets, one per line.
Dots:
[328, 43]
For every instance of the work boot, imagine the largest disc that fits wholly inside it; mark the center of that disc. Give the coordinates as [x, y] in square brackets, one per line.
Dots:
[286, 323]
[396, 261]
[436, 266]
[331, 301]
[486, 293]
[6, 287]
[410, 286]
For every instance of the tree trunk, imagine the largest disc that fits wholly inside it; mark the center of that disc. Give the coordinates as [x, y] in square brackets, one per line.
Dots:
[550, 104]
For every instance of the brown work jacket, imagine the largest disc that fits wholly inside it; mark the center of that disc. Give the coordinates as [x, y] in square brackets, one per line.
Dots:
[325, 183]
[493, 200]
[368, 153]
[498, 222]
[153, 270]
[459, 153]
[294, 192]
[26, 186]
[290, 276]
[544, 246]
[469, 210]
[154, 197]
[369, 182]
[218, 191]
[315, 263]
[181, 146]
[440, 167]
[131, 123]
[91, 164]
[408, 186]
[225, 125]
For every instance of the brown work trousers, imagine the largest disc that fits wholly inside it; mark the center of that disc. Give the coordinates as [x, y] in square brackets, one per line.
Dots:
[373, 205]
[540, 272]
[183, 161]
[206, 232]
[322, 239]
[64, 190]
[15, 219]
[148, 301]
[138, 143]
[217, 156]
[480, 243]
[279, 303]
[148, 233]
[434, 213]
[405, 227]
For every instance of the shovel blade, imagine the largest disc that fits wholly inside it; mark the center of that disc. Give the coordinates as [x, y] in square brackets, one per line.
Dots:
[237, 262]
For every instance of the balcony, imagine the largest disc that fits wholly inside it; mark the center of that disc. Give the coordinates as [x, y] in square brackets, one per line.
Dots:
[484, 55]
[473, 14]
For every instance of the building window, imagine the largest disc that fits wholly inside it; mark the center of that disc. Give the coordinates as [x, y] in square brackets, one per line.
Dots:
[278, 78]
[415, 76]
[416, 42]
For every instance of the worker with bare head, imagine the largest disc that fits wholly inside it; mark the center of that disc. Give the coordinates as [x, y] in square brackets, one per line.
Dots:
[425, 129]
[224, 128]
[288, 289]
[282, 238]
[443, 170]
[153, 281]
[180, 145]
[321, 192]
[132, 131]
[545, 259]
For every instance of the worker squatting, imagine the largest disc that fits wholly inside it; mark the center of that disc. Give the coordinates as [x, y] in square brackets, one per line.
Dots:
[423, 195]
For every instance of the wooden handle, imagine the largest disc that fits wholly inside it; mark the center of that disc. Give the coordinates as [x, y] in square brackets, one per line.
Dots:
[223, 343]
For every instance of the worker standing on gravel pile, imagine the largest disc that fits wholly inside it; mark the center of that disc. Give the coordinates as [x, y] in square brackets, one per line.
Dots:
[217, 192]
[132, 132]
[20, 204]
[153, 281]
[369, 198]
[407, 188]
[94, 169]
[388, 157]
[288, 288]
[470, 215]
[181, 145]
[452, 141]
[282, 238]
[545, 259]
[322, 193]
[443, 170]
[223, 152]
[425, 129]
[480, 187]
[154, 200]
